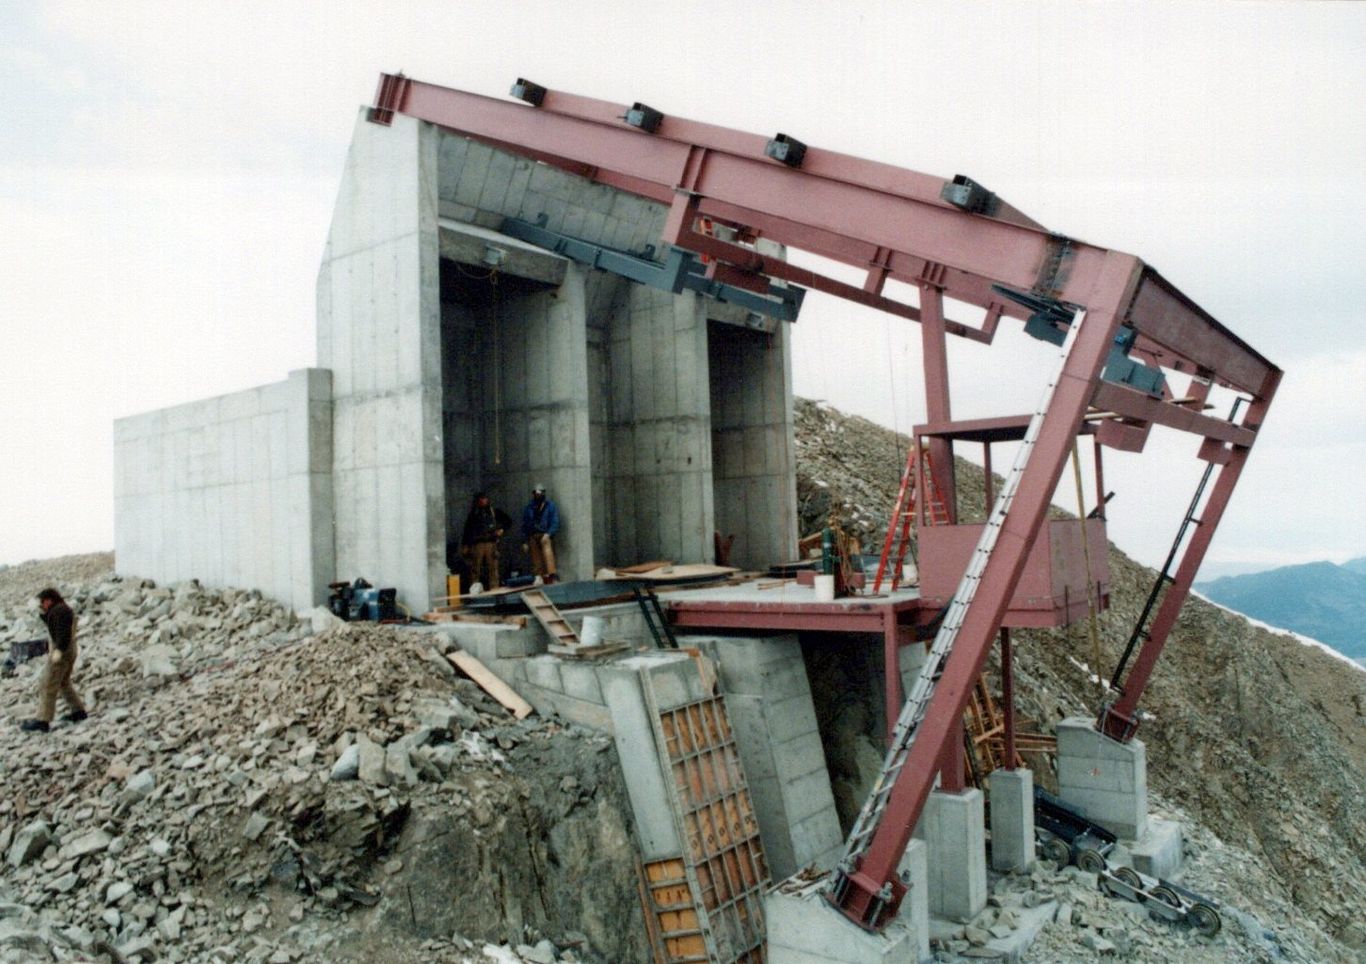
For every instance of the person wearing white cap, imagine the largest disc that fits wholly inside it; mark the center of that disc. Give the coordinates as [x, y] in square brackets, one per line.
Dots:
[540, 522]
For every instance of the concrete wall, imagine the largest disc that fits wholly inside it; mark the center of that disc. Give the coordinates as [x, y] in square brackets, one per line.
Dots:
[657, 479]
[754, 458]
[379, 331]
[232, 491]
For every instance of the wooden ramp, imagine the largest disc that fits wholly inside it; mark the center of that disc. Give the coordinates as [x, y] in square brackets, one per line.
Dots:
[708, 901]
[549, 616]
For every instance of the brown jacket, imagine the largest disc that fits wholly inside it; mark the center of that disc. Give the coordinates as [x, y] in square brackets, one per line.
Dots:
[61, 625]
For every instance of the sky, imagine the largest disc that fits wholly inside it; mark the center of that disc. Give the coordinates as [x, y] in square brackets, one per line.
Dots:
[168, 172]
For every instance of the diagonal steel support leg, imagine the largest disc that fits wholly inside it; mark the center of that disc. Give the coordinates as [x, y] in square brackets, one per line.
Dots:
[869, 893]
[1119, 721]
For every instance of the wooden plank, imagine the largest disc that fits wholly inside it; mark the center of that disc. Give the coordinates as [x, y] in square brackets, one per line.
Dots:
[642, 567]
[443, 614]
[490, 683]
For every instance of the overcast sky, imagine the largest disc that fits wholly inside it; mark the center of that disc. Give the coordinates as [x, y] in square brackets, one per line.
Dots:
[167, 174]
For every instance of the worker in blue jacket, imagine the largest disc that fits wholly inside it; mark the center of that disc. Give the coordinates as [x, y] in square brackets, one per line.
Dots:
[540, 522]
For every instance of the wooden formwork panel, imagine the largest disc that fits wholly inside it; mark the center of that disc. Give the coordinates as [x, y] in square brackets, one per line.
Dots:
[723, 860]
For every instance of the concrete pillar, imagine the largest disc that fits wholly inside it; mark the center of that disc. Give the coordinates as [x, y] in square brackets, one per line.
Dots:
[774, 720]
[379, 321]
[753, 455]
[952, 826]
[1012, 820]
[1104, 780]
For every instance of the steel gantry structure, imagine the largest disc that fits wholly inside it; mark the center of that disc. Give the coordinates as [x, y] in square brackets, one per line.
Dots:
[1123, 330]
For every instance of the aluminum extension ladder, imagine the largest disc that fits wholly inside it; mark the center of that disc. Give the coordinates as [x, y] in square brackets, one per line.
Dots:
[917, 702]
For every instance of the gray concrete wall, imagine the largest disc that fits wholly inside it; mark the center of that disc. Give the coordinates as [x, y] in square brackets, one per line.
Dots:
[657, 479]
[754, 458]
[232, 491]
[774, 719]
[379, 331]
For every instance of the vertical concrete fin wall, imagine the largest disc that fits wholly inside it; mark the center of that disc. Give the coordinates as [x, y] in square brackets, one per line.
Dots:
[658, 475]
[754, 459]
[232, 491]
[379, 317]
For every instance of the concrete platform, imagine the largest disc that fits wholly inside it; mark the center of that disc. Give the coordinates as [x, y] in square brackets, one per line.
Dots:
[803, 928]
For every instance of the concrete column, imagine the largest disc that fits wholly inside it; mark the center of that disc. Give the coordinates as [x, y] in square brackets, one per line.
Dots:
[753, 455]
[1104, 780]
[774, 719]
[379, 320]
[659, 473]
[1012, 820]
[952, 826]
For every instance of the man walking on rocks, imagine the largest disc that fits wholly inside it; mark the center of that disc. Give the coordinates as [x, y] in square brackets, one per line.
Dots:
[540, 522]
[61, 628]
[483, 528]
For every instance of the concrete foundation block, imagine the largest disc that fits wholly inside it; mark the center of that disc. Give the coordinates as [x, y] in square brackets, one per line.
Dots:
[544, 671]
[580, 680]
[804, 929]
[595, 716]
[915, 906]
[488, 642]
[674, 681]
[952, 826]
[1158, 853]
[1012, 820]
[1105, 780]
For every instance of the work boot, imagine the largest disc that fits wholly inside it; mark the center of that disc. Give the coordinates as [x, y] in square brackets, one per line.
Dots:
[34, 726]
[75, 716]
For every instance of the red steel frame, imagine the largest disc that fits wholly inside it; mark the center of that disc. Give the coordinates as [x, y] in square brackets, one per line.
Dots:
[893, 224]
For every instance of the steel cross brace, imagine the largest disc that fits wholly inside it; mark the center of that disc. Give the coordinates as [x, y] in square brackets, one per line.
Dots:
[871, 892]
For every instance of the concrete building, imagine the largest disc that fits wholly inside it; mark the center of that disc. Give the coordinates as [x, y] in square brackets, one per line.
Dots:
[453, 358]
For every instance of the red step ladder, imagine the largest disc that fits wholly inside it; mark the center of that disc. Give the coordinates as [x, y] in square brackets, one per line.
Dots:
[898, 539]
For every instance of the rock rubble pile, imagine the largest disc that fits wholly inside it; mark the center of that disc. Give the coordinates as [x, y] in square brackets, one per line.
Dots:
[246, 787]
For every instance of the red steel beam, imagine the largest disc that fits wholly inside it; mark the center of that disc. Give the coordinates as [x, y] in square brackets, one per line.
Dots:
[878, 206]
[1120, 719]
[1001, 575]
[1139, 406]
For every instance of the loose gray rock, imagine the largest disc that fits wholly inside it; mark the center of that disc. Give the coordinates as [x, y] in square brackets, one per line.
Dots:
[29, 843]
[347, 766]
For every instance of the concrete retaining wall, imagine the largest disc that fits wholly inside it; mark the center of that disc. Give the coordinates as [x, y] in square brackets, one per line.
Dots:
[232, 491]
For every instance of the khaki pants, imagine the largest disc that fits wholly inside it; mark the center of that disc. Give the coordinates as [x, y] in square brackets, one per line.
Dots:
[57, 680]
[542, 555]
[484, 566]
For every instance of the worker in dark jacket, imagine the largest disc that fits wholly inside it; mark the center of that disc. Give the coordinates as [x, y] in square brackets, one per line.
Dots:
[61, 660]
[484, 526]
[540, 522]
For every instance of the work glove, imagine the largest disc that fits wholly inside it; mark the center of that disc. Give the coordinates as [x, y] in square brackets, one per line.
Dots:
[57, 655]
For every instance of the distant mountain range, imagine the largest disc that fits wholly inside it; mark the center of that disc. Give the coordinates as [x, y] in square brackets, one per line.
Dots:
[1319, 599]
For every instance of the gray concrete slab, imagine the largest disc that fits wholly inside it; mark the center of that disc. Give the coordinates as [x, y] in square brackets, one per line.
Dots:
[1160, 851]
[804, 929]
